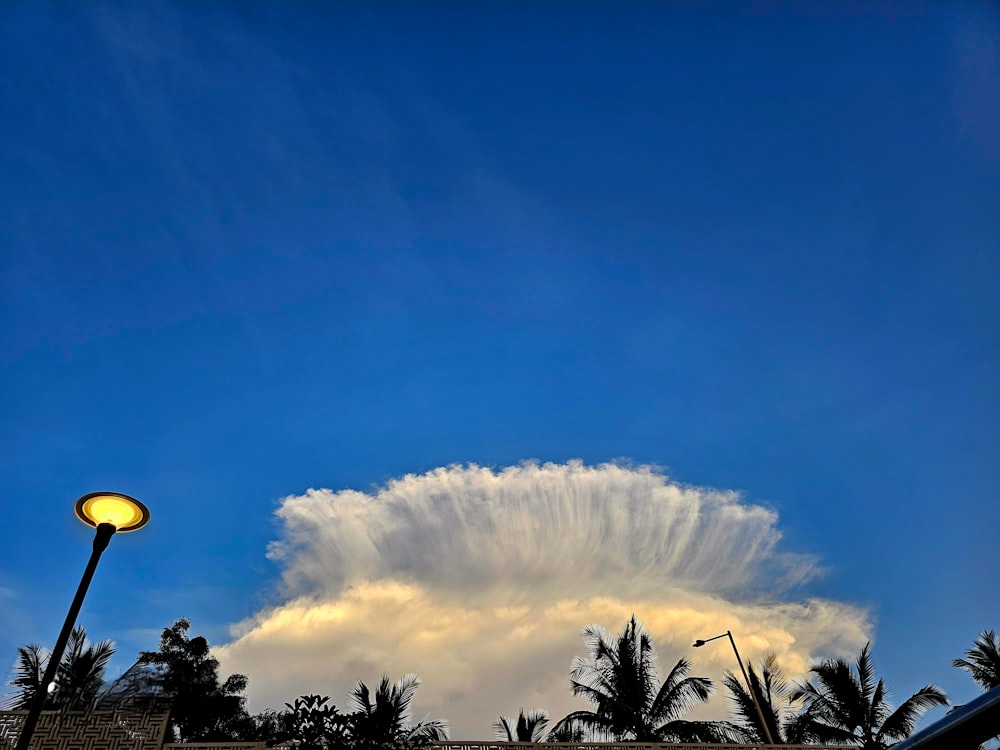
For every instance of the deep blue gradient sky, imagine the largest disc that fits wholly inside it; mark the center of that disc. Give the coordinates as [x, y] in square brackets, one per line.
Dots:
[252, 248]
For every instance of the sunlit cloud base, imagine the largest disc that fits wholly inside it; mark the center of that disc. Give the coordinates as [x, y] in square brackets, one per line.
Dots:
[480, 581]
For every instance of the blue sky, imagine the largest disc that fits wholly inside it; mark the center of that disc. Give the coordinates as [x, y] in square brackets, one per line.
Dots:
[252, 249]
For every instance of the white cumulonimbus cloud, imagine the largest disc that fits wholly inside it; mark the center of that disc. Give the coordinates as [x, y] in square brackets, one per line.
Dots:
[481, 581]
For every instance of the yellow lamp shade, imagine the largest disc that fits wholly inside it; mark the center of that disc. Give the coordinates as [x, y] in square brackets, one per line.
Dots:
[121, 511]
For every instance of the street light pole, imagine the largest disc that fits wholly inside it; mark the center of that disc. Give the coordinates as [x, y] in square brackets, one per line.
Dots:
[753, 693]
[108, 512]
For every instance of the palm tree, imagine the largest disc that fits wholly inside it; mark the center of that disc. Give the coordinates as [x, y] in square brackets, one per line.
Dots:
[772, 690]
[620, 678]
[81, 672]
[78, 679]
[530, 727]
[385, 722]
[983, 661]
[31, 660]
[850, 706]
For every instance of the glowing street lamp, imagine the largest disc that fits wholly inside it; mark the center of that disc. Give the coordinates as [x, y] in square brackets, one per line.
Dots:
[753, 693]
[108, 513]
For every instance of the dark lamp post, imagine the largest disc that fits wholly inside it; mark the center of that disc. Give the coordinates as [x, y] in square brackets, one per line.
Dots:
[753, 693]
[108, 513]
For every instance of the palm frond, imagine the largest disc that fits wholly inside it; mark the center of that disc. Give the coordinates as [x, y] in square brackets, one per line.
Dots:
[587, 723]
[681, 731]
[838, 697]
[81, 673]
[529, 727]
[361, 698]
[680, 698]
[620, 678]
[866, 671]
[434, 730]
[983, 662]
[775, 684]
[27, 679]
[745, 708]
[502, 729]
[878, 709]
[900, 723]
[846, 706]
[741, 700]
[383, 718]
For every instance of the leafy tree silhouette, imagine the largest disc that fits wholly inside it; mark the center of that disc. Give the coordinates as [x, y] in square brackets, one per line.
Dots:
[316, 725]
[204, 709]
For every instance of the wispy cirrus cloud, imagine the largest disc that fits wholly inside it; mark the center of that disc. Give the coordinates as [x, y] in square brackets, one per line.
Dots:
[481, 580]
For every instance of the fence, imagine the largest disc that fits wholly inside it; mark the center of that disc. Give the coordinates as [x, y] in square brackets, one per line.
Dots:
[145, 728]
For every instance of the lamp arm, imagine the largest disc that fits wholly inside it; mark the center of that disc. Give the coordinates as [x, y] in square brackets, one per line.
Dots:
[101, 540]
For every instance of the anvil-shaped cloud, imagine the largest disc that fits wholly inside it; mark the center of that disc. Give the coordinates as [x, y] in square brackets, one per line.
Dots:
[481, 581]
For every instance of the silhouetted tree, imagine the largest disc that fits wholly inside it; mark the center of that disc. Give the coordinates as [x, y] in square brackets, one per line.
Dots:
[772, 691]
[530, 727]
[80, 675]
[849, 706]
[78, 679]
[315, 725]
[271, 726]
[385, 721]
[982, 661]
[621, 680]
[204, 709]
[27, 679]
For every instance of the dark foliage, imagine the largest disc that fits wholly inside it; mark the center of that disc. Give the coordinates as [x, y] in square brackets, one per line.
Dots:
[316, 725]
[204, 709]
[383, 723]
[982, 661]
[81, 672]
[530, 727]
[27, 679]
[848, 705]
[771, 690]
[621, 680]
[78, 679]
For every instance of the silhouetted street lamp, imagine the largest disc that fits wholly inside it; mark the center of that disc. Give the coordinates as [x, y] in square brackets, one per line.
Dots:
[108, 513]
[753, 693]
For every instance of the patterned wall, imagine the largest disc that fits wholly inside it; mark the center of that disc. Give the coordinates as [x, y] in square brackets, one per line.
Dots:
[133, 729]
[121, 729]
